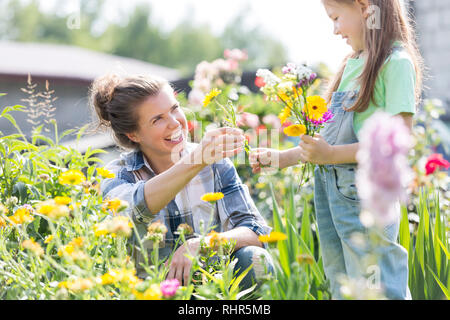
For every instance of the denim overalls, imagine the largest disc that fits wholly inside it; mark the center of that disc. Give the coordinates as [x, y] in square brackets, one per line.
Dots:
[337, 211]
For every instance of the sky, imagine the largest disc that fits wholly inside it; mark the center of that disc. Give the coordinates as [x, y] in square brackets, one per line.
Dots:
[301, 25]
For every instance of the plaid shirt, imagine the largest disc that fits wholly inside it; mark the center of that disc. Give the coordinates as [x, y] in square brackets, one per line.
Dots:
[235, 209]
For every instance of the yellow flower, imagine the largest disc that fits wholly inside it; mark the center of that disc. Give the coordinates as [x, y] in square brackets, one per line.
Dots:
[315, 107]
[105, 173]
[66, 250]
[113, 276]
[117, 226]
[2, 222]
[77, 242]
[115, 205]
[33, 246]
[295, 130]
[297, 91]
[62, 200]
[216, 239]
[100, 229]
[212, 196]
[211, 95]
[48, 239]
[272, 237]
[286, 113]
[77, 285]
[72, 177]
[152, 293]
[21, 216]
[53, 210]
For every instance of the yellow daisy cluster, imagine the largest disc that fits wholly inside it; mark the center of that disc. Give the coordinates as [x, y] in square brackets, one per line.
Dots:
[2, 222]
[272, 237]
[72, 177]
[54, 208]
[105, 173]
[212, 196]
[113, 276]
[295, 130]
[117, 226]
[210, 96]
[21, 216]
[315, 107]
[33, 246]
[152, 293]
[73, 249]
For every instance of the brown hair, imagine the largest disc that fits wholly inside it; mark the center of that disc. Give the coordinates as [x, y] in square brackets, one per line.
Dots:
[394, 26]
[115, 99]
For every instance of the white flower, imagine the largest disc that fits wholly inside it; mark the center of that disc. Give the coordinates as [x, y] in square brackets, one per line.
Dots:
[269, 78]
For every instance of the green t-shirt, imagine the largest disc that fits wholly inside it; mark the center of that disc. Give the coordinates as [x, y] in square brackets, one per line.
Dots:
[394, 87]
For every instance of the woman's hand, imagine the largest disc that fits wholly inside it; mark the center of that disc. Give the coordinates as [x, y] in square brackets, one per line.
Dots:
[180, 266]
[315, 150]
[218, 144]
[264, 157]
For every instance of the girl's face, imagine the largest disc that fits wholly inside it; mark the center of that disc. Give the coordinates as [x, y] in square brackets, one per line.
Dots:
[162, 125]
[348, 21]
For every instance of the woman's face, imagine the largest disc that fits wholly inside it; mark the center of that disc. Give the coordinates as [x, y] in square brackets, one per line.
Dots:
[162, 125]
[348, 22]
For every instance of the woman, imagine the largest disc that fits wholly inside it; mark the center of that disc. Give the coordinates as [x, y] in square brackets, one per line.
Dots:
[164, 176]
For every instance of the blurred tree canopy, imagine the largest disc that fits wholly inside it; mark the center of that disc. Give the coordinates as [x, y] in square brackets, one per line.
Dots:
[137, 36]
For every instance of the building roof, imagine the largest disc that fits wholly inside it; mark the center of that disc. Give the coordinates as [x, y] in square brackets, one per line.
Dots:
[70, 62]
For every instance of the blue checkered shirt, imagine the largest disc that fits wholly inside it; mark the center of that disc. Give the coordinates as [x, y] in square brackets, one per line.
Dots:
[235, 209]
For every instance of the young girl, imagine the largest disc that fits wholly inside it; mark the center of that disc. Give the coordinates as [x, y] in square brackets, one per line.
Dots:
[383, 72]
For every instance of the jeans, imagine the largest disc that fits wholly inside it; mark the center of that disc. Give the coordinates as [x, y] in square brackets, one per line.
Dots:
[261, 260]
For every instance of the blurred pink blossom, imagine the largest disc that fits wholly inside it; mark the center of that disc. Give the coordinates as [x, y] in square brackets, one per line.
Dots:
[196, 97]
[247, 120]
[272, 120]
[235, 54]
[383, 171]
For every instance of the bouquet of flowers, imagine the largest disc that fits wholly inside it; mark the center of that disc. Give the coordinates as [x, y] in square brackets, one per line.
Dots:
[308, 113]
[229, 109]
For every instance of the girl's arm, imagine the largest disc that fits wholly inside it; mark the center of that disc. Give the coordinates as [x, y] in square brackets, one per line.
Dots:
[316, 150]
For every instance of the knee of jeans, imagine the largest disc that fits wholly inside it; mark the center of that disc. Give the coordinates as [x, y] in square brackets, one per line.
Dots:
[259, 257]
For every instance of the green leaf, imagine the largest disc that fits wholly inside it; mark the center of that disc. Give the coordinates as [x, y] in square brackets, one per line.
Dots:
[441, 285]
[404, 234]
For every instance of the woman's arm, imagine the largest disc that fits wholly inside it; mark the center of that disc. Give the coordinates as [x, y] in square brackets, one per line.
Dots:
[216, 145]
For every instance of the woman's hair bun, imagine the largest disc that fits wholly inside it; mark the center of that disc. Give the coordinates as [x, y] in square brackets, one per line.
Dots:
[102, 92]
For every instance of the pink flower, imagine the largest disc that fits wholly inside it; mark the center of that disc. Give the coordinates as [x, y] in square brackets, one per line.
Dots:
[196, 97]
[235, 54]
[169, 287]
[272, 120]
[247, 120]
[383, 171]
[434, 162]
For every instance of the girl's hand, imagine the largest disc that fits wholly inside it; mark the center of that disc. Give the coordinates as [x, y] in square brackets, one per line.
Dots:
[218, 144]
[315, 150]
[263, 157]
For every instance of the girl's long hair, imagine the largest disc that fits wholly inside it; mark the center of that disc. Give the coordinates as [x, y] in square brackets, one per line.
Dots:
[394, 25]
